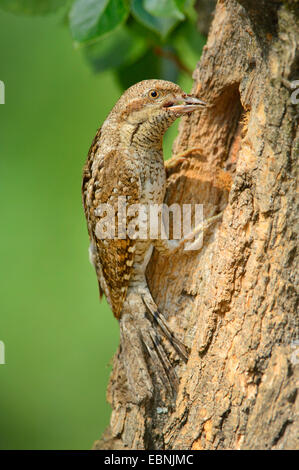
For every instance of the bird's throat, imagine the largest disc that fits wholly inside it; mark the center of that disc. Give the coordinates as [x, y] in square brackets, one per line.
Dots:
[148, 134]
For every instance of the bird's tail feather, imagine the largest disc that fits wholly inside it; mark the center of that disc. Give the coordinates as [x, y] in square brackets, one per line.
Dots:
[141, 342]
[159, 358]
[180, 348]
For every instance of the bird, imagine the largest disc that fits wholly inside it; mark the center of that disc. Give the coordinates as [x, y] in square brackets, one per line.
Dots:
[125, 163]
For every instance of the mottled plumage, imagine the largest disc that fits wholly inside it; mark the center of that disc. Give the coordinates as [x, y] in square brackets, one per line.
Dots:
[126, 160]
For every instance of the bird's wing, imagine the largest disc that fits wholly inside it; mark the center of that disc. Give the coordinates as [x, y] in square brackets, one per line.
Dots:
[114, 257]
[87, 182]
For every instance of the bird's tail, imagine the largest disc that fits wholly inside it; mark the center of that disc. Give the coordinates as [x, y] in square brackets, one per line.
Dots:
[144, 355]
[158, 318]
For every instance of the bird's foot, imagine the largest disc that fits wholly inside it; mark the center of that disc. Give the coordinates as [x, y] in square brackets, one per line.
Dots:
[180, 158]
[198, 231]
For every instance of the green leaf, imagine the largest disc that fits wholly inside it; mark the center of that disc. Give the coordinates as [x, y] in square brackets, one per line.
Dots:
[164, 8]
[32, 7]
[90, 19]
[85, 16]
[121, 47]
[162, 26]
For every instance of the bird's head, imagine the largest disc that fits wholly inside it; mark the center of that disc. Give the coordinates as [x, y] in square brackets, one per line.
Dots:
[154, 105]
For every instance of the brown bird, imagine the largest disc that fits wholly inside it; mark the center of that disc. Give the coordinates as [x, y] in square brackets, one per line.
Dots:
[125, 164]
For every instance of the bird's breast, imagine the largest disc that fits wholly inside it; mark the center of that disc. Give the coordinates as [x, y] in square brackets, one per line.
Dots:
[152, 178]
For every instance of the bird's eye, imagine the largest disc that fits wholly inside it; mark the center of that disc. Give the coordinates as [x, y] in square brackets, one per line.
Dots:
[153, 94]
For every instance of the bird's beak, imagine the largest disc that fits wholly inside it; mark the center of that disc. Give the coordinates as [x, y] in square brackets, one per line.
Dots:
[185, 104]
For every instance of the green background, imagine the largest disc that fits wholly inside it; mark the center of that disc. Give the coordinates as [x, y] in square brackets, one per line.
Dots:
[59, 340]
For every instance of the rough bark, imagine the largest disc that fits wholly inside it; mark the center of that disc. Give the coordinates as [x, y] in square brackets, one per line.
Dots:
[234, 302]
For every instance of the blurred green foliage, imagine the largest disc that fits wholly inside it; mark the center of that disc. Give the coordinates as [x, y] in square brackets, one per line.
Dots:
[59, 339]
[131, 37]
[32, 7]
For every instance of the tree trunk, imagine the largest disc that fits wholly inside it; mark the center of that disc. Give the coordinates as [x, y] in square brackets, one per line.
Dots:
[234, 302]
